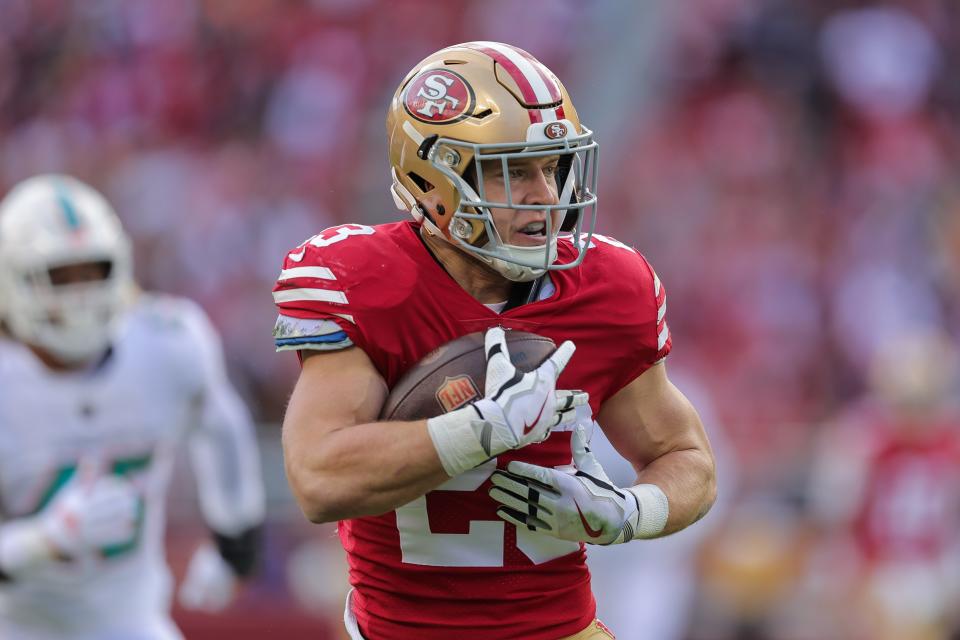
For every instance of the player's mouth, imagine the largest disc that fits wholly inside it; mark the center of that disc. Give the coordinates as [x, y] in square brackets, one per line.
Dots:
[533, 233]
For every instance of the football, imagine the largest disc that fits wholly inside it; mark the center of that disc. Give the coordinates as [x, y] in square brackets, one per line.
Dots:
[454, 375]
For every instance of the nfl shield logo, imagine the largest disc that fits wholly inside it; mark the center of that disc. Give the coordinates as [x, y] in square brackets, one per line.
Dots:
[456, 392]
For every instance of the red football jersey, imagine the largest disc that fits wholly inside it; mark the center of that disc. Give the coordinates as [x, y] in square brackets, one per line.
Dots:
[445, 566]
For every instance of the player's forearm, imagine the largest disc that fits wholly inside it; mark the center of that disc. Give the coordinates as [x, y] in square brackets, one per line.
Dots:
[688, 478]
[363, 470]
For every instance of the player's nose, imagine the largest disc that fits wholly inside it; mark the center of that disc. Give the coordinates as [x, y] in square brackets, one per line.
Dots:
[541, 189]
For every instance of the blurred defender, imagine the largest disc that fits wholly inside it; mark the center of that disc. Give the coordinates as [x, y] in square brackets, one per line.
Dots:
[886, 492]
[98, 385]
[472, 524]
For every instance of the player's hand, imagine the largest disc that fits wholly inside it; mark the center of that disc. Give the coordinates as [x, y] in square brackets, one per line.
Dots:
[517, 408]
[521, 408]
[581, 505]
[91, 512]
[209, 584]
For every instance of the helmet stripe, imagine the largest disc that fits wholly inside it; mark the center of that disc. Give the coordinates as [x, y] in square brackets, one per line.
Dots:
[69, 211]
[535, 85]
[548, 80]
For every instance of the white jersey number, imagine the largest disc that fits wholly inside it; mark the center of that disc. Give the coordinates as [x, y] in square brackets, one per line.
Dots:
[331, 236]
[481, 546]
[613, 242]
[124, 467]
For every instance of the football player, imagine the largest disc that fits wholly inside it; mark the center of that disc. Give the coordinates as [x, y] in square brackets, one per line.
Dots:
[885, 492]
[472, 525]
[99, 384]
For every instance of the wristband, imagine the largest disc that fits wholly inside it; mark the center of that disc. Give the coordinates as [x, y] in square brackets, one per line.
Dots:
[456, 442]
[652, 513]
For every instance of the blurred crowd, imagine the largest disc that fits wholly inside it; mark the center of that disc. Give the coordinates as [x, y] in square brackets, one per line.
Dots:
[789, 166]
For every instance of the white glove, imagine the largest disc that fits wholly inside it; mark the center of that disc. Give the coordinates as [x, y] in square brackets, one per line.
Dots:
[209, 584]
[516, 410]
[90, 513]
[581, 504]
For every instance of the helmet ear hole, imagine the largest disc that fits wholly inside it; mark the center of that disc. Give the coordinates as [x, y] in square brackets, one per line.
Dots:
[421, 183]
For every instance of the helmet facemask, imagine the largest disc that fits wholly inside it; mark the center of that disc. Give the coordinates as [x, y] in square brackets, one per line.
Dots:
[573, 216]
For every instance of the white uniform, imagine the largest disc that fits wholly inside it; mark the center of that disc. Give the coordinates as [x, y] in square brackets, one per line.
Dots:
[163, 382]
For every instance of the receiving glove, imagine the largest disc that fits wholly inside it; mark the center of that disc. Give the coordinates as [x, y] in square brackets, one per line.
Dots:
[209, 584]
[582, 504]
[517, 409]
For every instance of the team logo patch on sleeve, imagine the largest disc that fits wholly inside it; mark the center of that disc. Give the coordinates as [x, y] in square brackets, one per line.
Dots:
[456, 392]
[439, 96]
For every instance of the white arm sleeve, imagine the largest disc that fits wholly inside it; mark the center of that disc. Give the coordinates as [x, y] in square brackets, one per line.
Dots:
[222, 444]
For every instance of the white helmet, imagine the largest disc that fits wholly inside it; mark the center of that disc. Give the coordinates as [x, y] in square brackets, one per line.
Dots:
[51, 221]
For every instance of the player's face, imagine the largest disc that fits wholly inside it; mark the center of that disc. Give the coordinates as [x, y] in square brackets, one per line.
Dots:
[76, 274]
[79, 272]
[532, 181]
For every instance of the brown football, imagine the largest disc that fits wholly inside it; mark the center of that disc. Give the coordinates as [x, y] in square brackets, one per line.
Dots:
[454, 374]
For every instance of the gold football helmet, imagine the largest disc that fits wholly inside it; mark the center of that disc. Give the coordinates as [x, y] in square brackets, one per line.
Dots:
[490, 101]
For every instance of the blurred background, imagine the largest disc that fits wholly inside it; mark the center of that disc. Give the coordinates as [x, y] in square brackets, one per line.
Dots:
[790, 167]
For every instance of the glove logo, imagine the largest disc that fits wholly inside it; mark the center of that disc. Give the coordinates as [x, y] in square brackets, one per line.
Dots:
[527, 428]
[593, 533]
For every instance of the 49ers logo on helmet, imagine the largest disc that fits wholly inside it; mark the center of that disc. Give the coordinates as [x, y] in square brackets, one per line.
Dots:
[438, 96]
[555, 130]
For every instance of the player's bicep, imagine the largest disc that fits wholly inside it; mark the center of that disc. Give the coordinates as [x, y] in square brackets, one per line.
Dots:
[336, 389]
[650, 417]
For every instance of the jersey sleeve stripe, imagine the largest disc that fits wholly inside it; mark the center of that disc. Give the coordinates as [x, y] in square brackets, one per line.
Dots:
[656, 285]
[663, 336]
[309, 295]
[314, 344]
[307, 272]
[661, 311]
[292, 333]
[340, 336]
